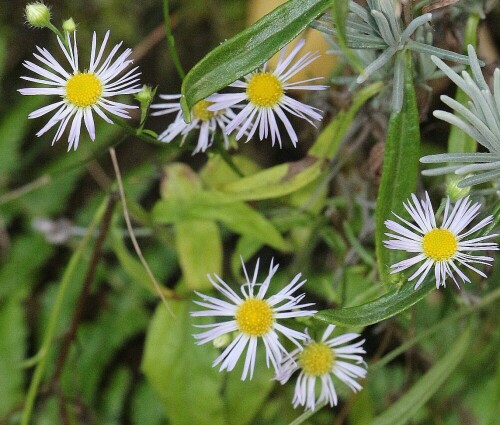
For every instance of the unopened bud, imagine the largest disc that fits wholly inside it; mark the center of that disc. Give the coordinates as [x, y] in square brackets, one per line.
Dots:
[145, 95]
[38, 15]
[69, 25]
[452, 189]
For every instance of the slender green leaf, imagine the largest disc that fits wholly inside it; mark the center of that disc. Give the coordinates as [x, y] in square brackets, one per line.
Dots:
[340, 12]
[377, 310]
[405, 408]
[400, 169]
[181, 371]
[248, 50]
[13, 332]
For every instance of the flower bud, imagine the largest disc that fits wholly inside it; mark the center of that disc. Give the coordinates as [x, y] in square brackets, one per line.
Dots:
[145, 96]
[69, 25]
[452, 189]
[37, 15]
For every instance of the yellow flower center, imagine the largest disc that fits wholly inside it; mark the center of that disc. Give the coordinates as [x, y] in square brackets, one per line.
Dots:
[317, 359]
[200, 110]
[83, 89]
[440, 244]
[264, 89]
[254, 317]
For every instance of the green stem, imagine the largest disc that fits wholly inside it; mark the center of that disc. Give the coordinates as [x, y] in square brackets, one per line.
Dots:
[49, 334]
[171, 41]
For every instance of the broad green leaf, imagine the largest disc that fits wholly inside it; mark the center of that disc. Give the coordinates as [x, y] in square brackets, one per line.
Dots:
[179, 182]
[330, 138]
[199, 247]
[248, 50]
[276, 181]
[216, 173]
[237, 216]
[181, 371]
[146, 407]
[405, 408]
[377, 310]
[13, 332]
[399, 172]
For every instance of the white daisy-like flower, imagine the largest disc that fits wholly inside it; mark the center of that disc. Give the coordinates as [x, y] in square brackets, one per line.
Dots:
[81, 92]
[319, 360]
[265, 97]
[252, 317]
[205, 121]
[442, 247]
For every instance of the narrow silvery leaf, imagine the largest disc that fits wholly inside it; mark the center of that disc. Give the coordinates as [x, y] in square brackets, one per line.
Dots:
[459, 157]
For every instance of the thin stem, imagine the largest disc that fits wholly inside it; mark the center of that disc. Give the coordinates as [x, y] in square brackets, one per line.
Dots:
[137, 248]
[51, 328]
[171, 41]
[85, 291]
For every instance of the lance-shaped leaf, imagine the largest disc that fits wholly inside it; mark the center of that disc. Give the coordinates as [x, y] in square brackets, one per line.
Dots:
[400, 169]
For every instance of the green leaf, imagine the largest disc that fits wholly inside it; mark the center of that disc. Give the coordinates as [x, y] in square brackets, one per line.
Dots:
[180, 371]
[276, 181]
[405, 408]
[199, 247]
[329, 140]
[237, 216]
[13, 334]
[399, 172]
[377, 310]
[340, 12]
[248, 50]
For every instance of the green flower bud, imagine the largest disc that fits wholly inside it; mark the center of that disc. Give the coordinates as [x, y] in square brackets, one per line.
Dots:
[69, 25]
[145, 96]
[452, 189]
[37, 15]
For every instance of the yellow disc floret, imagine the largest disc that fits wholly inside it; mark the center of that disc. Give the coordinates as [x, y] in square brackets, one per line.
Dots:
[201, 112]
[264, 89]
[83, 89]
[440, 244]
[254, 317]
[317, 359]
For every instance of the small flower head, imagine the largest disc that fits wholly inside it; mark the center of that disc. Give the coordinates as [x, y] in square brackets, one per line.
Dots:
[444, 247]
[318, 361]
[205, 121]
[252, 317]
[81, 93]
[37, 14]
[69, 25]
[264, 98]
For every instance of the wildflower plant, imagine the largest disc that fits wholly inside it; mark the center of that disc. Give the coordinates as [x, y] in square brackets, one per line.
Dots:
[336, 208]
[444, 247]
[81, 93]
[264, 98]
[318, 361]
[254, 318]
